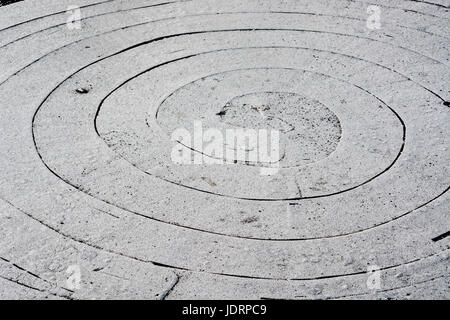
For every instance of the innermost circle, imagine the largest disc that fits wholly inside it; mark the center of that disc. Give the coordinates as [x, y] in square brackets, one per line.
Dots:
[309, 130]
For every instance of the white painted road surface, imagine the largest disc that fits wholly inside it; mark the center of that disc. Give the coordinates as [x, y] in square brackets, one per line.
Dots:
[93, 205]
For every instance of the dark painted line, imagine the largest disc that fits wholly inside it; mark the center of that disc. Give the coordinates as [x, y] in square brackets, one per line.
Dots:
[442, 236]
[431, 4]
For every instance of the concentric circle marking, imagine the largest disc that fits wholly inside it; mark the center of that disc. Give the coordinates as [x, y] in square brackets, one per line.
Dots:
[196, 106]
[372, 97]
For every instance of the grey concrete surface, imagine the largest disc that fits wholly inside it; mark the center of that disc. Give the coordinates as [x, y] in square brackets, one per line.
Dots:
[93, 207]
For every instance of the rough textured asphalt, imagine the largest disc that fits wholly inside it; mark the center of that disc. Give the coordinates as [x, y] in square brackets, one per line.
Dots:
[93, 207]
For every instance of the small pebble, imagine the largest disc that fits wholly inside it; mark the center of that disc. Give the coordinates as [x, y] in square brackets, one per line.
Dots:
[82, 90]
